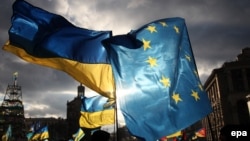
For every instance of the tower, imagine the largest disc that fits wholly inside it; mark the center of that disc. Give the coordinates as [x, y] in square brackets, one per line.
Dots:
[73, 111]
[12, 111]
[80, 90]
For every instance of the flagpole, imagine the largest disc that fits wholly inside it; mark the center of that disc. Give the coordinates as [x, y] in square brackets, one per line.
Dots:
[116, 121]
[116, 115]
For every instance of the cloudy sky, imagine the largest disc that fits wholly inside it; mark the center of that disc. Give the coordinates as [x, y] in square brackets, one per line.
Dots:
[218, 31]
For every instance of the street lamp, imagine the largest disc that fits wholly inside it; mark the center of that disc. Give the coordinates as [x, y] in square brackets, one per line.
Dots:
[248, 102]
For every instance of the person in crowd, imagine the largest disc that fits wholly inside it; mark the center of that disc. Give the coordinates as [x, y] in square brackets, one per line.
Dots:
[100, 135]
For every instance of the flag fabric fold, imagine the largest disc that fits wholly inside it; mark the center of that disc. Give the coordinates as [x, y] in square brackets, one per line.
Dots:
[157, 84]
[95, 113]
[47, 39]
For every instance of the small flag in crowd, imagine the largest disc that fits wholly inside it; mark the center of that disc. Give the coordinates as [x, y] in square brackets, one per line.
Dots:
[40, 134]
[78, 135]
[95, 113]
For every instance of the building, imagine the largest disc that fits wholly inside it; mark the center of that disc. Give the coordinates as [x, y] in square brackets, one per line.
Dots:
[227, 88]
[73, 111]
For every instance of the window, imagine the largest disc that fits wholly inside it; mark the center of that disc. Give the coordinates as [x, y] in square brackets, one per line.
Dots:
[237, 78]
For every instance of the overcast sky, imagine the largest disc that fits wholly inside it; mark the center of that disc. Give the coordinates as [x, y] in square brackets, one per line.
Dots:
[218, 30]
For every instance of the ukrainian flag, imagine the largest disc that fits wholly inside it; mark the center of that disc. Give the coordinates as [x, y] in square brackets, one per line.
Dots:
[96, 112]
[78, 135]
[41, 134]
[47, 39]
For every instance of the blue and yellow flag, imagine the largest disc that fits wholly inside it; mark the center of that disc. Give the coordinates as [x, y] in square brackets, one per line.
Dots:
[47, 39]
[41, 134]
[78, 135]
[96, 112]
[157, 84]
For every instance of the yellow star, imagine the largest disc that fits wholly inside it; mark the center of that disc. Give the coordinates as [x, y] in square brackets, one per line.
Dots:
[195, 95]
[176, 97]
[176, 29]
[146, 44]
[201, 87]
[163, 24]
[151, 29]
[196, 73]
[165, 81]
[152, 61]
[188, 58]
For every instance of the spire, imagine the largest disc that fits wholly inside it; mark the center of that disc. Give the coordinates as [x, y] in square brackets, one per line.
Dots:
[15, 75]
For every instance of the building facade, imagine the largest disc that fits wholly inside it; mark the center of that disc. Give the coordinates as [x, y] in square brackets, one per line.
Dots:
[227, 88]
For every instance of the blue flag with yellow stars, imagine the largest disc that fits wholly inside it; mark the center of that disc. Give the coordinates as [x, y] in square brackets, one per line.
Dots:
[157, 84]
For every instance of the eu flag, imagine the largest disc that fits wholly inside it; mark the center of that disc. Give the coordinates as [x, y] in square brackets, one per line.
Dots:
[47, 39]
[157, 84]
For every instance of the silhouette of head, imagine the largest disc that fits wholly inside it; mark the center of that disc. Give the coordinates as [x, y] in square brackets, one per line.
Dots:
[100, 136]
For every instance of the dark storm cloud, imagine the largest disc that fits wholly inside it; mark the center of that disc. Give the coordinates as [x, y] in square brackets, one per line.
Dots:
[39, 83]
[55, 105]
[6, 12]
[35, 77]
[218, 31]
[219, 42]
[48, 5]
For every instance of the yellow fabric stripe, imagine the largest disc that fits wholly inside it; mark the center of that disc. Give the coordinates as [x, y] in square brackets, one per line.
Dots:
[44, 135]
[175, 134]
[97, 77]
[79, 135]
[97, 119]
